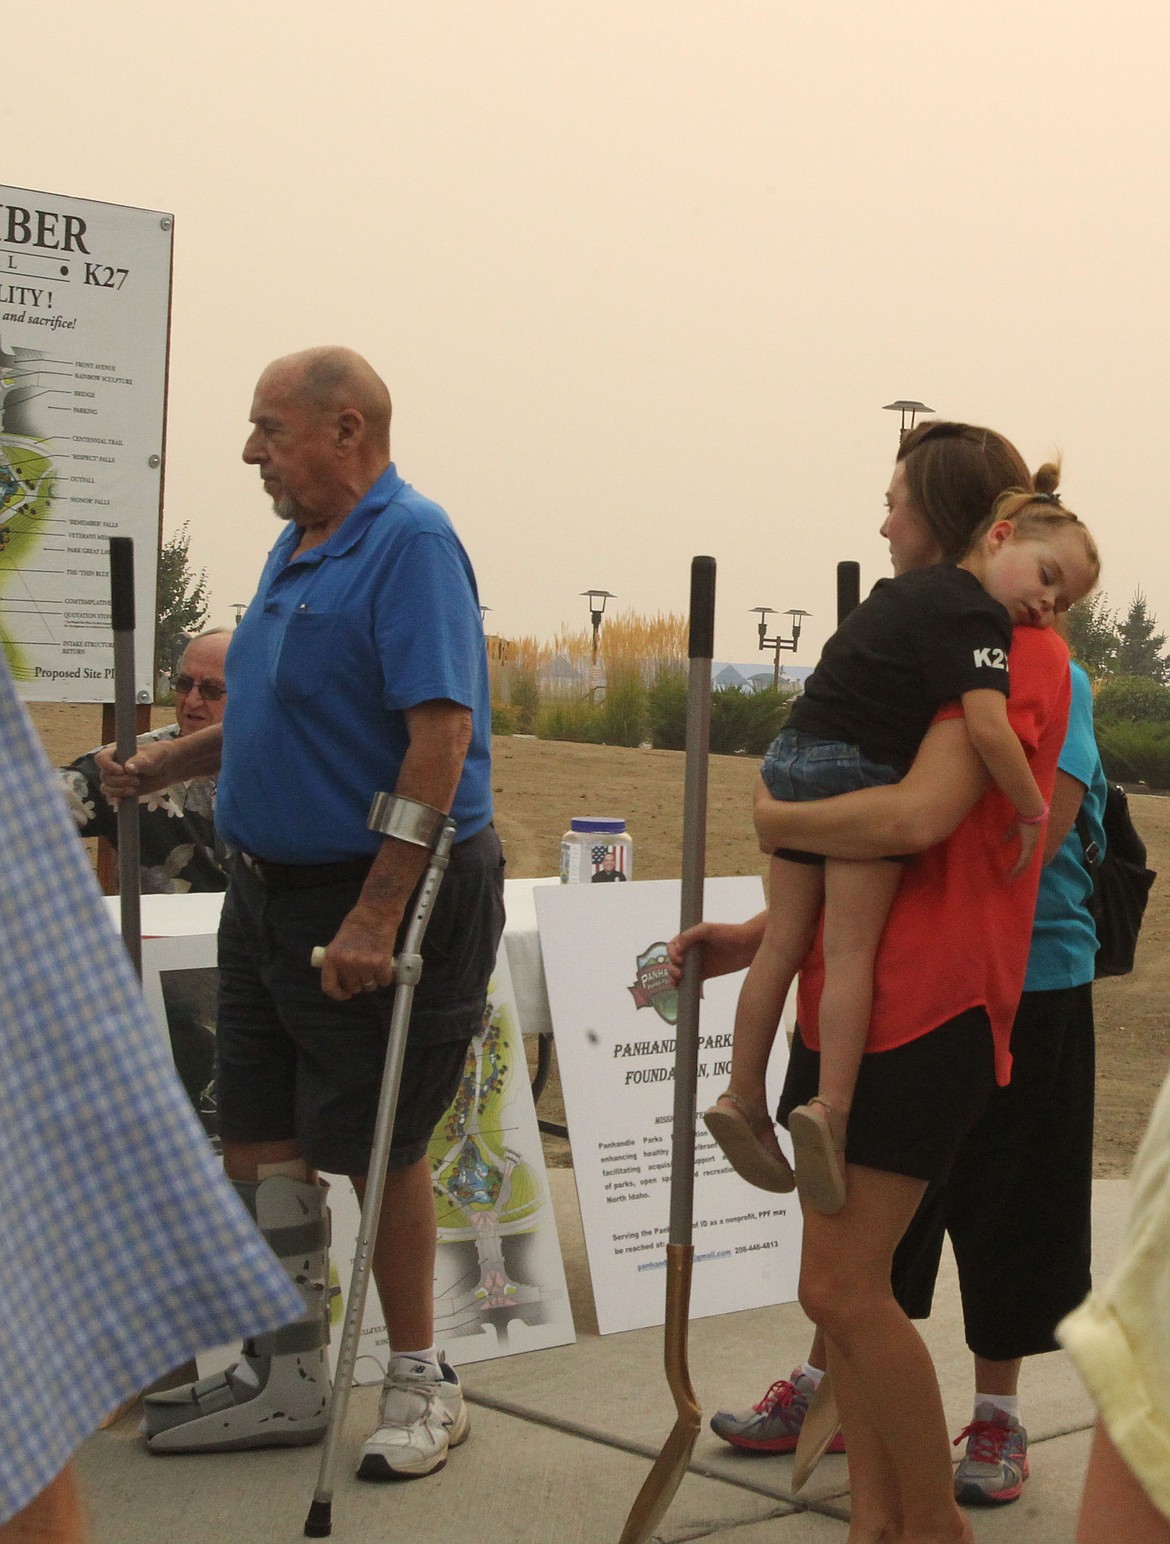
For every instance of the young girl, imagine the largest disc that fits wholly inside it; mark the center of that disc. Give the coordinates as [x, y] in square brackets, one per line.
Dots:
[921, 639]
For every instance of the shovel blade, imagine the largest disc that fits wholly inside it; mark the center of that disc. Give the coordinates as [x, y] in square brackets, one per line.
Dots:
[665, 1477]
[821, 1424]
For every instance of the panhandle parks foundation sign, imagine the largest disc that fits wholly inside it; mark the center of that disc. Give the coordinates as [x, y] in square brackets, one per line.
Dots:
[84, 315]
[614, 1012]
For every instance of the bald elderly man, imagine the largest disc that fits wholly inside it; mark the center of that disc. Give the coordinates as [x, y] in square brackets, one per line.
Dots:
[359, 667]
[179, 850]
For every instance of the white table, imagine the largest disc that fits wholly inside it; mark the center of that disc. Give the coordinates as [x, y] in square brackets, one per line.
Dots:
[183, 916]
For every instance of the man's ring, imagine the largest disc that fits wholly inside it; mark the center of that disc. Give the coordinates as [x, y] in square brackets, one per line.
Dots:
[369, 986]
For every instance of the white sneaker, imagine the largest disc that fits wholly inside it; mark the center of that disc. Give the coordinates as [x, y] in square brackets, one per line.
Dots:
[421, 1415]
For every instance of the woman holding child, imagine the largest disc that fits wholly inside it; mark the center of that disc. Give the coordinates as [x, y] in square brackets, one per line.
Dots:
[945, 982]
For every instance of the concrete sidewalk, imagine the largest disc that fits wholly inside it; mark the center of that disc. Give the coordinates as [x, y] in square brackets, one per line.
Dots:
[562, 1440]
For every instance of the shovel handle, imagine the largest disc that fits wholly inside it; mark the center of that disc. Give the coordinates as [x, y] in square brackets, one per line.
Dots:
[848, 588]
[702, 634]
[122, 626]
[694, 857]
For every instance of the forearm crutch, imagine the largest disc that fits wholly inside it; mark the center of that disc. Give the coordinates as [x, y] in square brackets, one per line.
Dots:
[421, 826]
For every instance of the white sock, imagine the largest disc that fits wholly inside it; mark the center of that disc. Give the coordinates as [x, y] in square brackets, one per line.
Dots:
[1009, 1404]
[813, 1374]
[430, 1357]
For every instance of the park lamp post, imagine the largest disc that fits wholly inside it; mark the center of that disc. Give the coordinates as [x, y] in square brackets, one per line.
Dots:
[483, 611]
[597, 600]
[239, 607]
[779, 642]
[903, 407]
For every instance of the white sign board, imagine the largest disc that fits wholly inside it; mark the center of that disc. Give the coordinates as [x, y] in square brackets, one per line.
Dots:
[499, 1278]
[612, 1012]
[84, 315]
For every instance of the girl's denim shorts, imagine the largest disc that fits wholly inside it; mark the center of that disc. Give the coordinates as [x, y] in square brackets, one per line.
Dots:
[799, 767]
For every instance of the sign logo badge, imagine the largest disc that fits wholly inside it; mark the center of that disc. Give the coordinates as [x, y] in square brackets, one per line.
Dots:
[653, 987]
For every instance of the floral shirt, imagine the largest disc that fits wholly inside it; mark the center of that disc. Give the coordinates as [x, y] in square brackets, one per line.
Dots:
[179, 847]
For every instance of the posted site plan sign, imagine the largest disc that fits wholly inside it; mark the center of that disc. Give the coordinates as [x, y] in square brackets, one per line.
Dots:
[84, 313]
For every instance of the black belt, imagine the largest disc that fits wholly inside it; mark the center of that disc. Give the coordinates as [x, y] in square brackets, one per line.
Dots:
[306, 876]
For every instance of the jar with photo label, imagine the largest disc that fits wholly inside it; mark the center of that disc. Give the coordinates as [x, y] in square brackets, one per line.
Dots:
[597, 850]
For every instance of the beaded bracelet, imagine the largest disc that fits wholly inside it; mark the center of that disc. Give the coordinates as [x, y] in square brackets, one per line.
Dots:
[1033, 820]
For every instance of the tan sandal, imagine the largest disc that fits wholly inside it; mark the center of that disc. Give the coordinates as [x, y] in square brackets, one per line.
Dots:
[737, 1134]
[820, 1171]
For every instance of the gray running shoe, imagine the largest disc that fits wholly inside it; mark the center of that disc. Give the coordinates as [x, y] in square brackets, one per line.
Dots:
[993, 1469]
[772, 1426]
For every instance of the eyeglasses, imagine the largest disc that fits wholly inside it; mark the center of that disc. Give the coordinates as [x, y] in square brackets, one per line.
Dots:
[210, 691]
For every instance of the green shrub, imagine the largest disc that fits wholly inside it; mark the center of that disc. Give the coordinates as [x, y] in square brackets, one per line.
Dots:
[504, 718]
[746, 722]
[525, 698]
[568, 719]
[666, 704]
[621, 715]
[1136, 753]
[1132, 700]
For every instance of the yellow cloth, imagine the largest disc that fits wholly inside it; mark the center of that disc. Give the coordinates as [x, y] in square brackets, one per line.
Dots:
[1120, 1335]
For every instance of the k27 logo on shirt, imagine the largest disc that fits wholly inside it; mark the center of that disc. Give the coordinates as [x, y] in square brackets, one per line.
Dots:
[991, 659]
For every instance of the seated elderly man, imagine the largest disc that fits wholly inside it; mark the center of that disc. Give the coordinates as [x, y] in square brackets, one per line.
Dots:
[180, 850]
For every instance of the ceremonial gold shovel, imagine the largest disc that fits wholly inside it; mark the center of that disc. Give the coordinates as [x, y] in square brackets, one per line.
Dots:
[671, 1464]
[821, 1424]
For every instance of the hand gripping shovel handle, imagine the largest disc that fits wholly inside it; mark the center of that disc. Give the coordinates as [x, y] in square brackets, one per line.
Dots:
[407, 970]
[126, 740]
[671, 1464]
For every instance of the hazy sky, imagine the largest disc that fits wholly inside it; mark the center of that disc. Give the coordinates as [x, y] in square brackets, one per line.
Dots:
[640, 275]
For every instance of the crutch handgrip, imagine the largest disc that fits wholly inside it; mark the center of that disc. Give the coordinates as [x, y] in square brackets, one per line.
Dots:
[317, 961]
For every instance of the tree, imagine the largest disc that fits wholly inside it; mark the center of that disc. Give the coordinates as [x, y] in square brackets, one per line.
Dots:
[182, 597]
[1139, 647]
[1092, 635]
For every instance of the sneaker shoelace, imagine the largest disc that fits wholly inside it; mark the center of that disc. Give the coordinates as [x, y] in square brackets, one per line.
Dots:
[988, 1440]
[782, 1393]
[405, 1401]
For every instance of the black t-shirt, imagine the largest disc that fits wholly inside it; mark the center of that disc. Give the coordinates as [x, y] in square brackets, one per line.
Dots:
[920, 640]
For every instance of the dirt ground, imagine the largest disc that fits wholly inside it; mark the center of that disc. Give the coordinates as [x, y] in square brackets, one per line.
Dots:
[540, 785]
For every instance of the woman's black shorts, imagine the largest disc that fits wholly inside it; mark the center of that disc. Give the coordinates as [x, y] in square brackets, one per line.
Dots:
[913, 1105]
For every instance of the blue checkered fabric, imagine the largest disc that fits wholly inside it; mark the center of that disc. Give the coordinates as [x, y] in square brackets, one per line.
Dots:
[123, 1250]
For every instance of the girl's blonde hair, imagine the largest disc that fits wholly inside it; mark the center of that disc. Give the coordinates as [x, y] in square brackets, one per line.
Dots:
[1040, 513]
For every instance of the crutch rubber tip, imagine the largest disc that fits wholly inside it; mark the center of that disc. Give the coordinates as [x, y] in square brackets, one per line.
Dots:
[319, 1523]
[317, 958]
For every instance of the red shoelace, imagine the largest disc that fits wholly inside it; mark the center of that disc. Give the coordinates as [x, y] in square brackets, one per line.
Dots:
[988, 1440]
[782, 1393]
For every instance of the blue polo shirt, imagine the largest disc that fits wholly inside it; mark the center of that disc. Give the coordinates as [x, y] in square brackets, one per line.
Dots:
[337, 644]
[1064, 938]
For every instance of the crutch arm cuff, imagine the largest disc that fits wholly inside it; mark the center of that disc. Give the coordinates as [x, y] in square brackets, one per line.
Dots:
[407, 820]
